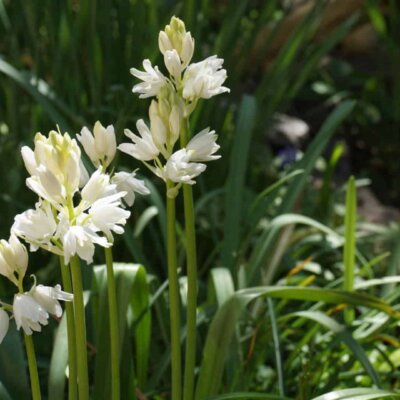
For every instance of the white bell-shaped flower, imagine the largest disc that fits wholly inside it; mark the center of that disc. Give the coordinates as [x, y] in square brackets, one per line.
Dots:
[179, 169]
[204, 79]
[152, 80]
[126, 182]
[143, 147]
[48, 297]
[97, 186]
[4, 324]
[108, 215]
[79, 238]
[203, 146]
[29, 314]
[13, 258]
[36, 226]
[100, 146]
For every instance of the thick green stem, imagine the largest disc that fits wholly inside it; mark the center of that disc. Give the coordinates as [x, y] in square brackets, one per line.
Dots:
[191, 265]
[80, 329]
[191, 311]
[173, 300]
[33, 372]
[113, 320]
[69, 308]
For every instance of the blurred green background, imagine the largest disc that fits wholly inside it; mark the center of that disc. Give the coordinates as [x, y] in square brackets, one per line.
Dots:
[289, 63]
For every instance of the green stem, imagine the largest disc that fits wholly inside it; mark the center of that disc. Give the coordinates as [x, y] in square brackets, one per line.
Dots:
[80, 329]
[69, 308]
[173, 299]
[191, 311]
[33, 372]
[113, 320]
[191, 265]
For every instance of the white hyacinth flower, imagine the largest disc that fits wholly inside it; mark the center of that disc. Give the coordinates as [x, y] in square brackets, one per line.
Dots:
[4, 324]
[80, 238]
[97, 186]
[153, 80]
[143, 147]
[203, 145]
[107, 215]
[127, 182]
[29, 314]
[13, 258]
[37, 226]
[179, 169]
[48, 297]
[100, 146]
[204, 79]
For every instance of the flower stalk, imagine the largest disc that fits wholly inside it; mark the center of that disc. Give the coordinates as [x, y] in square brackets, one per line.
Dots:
[113, 321]
[191, 265]
[69, 308]
[176, 367]
[80, 329]
[33, 371]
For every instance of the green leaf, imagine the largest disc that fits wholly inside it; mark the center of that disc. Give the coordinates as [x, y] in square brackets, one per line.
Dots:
[59, 362]
[248, 395]
[358, 394]
[349, 248]
[236, 180]
[139, 304]
[125, 277]
[13, 371]
[223, 325]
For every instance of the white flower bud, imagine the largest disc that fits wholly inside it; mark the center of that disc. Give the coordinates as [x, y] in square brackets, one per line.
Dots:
[163, 42]
[173, 64]
[13, 258]
[175, 120]
[187, 49]
[101, 146]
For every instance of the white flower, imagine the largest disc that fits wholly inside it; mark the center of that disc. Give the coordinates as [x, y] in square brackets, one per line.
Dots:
[48, 297]
[28, 313]
[173, 64]
[13, 258]
[153, 80]
[107, 215]
[97, 186]
[54, 165]
[37, 226]
[202, 146]
[100, 146]
[204, 79]
[179, 169]
[80, 238]
[143, 147]
[46, 185]
[4, 324]
[127, 182]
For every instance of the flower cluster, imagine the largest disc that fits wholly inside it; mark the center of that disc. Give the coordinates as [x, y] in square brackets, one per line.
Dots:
[176, 96]
[74, 211]
[30, 309]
